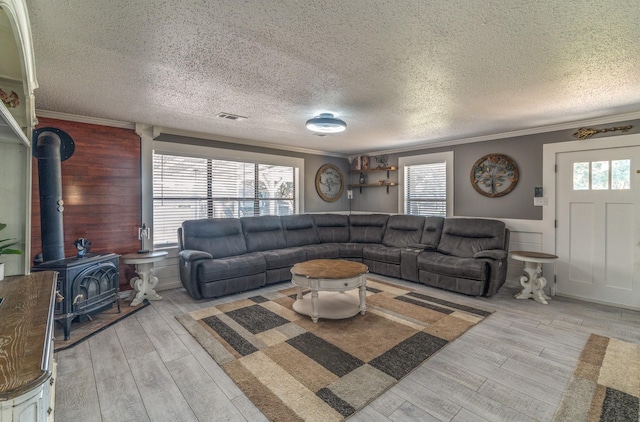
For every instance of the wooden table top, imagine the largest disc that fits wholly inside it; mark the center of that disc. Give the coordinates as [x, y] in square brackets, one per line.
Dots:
[533, 255]
[143, 258]
[24, 323]
[329, 269]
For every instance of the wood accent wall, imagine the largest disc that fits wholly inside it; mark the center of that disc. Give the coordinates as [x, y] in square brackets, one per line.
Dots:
[101, 190]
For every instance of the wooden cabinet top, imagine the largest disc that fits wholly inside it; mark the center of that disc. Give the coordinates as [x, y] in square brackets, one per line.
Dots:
[26, 325]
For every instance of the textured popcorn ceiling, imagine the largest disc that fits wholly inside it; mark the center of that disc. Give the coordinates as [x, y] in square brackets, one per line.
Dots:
[400, 73]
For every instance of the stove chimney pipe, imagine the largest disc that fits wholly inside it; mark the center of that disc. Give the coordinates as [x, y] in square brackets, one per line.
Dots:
[52, 147]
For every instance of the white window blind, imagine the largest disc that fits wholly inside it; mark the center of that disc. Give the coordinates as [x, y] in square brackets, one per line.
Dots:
[188, 188]
[426, 189]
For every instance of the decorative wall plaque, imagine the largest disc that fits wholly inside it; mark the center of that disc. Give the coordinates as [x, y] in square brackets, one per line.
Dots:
[329, 183]
[494, 175]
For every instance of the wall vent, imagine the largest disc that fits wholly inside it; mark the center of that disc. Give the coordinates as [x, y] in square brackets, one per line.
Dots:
[230, 116]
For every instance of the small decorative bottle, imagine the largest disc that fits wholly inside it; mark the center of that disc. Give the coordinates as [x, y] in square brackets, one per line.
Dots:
[362, 179]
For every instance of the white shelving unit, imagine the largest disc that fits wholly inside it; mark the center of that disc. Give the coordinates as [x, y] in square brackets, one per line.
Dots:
[16, 125]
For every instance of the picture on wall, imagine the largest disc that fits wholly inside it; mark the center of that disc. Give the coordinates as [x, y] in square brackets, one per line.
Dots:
[329, 182]
[494, 175]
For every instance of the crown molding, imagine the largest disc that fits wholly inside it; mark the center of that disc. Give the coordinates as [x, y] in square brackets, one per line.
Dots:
[84, 119]
[426, 145]
[513, 134]
[158, 130]
[258, 144]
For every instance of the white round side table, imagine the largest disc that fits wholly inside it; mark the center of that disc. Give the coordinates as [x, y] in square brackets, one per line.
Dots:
[532, 282]
[144, 285]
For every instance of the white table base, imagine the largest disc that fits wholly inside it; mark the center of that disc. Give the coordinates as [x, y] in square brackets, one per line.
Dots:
[533, 284]
[143, 286]
[330, 305]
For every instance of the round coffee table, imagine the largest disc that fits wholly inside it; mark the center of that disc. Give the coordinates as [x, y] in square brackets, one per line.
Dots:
[328, 280]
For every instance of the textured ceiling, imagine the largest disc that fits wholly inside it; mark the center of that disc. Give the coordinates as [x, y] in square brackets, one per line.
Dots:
[400, 73]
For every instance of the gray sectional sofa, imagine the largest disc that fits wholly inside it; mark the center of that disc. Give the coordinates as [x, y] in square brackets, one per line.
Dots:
[222, 256]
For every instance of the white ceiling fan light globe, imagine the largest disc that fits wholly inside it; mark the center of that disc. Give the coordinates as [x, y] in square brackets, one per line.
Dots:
[326, 123]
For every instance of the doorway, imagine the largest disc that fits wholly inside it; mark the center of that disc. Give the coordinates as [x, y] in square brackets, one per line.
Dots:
[598, 225]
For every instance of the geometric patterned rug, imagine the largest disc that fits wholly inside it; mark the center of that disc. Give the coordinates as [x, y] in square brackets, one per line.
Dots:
[606, 383]
[295, 370]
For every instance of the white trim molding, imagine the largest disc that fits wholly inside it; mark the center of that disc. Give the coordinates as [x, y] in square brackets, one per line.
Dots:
[549, 182]
[513, 134]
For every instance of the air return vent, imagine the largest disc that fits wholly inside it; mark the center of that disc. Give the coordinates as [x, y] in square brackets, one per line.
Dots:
[230, 116]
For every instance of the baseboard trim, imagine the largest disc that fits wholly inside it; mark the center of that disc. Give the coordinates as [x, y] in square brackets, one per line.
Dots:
[599, 302]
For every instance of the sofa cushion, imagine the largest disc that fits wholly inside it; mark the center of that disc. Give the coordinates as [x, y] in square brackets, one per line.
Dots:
[332, 228]
[367, 228]
[454, 266]
[382, 253]
[263, 233]
[432, 231]
[403, 230]
[323, 251]
[221, 237]
[286, 257]
[299, 230]
[231, 267]
[351, 250]
[464, 237]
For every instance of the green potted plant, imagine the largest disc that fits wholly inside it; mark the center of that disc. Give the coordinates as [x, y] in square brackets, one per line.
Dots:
[6, 250]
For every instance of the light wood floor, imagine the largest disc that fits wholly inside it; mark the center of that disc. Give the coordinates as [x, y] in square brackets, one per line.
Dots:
[513, 366]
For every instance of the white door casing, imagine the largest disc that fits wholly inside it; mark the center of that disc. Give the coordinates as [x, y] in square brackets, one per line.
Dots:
[598, 231]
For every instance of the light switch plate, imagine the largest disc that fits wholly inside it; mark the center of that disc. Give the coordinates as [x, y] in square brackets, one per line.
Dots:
[540, 201]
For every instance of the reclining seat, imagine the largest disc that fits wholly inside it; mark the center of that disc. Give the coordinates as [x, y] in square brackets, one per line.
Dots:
[401, 231]
[265, 235]
[363, 229]
[471, 257]
[214, 260]
[300, 231]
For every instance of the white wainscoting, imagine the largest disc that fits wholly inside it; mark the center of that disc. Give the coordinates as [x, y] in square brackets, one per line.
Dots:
[167, 270]
[526, 235]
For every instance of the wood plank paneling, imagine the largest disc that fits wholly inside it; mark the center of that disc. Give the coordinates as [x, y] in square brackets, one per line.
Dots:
[101, 190]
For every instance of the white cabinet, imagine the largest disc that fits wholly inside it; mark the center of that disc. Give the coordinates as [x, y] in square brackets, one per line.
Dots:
[27, 368]
[17, 75]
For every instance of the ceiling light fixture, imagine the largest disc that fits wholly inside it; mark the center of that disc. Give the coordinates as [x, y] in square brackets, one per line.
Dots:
[326, 123]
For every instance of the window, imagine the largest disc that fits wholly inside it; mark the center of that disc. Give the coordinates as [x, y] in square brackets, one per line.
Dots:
[187, 188]
[602, 175]
[427, 187]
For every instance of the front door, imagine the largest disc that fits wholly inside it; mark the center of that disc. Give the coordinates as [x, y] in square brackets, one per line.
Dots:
[598, 227]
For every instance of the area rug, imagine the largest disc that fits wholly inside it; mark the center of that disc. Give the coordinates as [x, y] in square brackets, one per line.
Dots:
[605, 385]
[88, 327]
[295, 370]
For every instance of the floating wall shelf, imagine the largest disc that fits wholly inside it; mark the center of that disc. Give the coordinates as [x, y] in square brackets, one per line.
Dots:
[374, 185]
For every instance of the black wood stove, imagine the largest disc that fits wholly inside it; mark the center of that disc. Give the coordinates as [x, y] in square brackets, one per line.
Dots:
[85, 286]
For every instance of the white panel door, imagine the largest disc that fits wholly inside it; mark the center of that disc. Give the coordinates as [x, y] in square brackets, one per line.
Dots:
[598, 228]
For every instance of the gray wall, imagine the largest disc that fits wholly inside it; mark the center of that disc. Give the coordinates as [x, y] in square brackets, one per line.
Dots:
[526, 151]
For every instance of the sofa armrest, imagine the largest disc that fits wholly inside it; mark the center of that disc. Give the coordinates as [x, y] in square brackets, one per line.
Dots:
[497, 261]
[190, 260]
[497, 254]
[193, 255]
